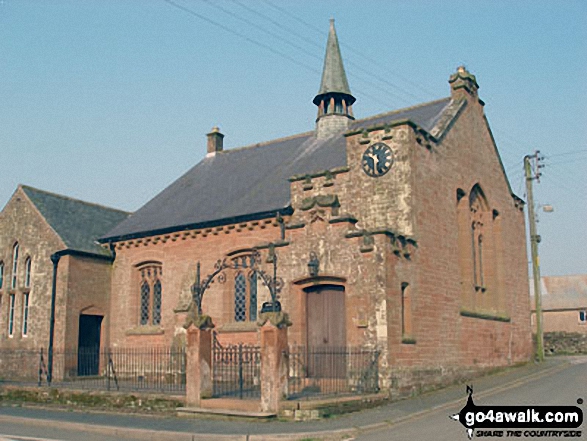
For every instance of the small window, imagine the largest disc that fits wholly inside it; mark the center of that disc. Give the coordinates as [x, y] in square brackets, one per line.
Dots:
[150, 294]
[27, 273]
[14, 264]
[25, 314]
[583, 317]
[11, 315]
[157, 303]
[245, 297]
[1, 274]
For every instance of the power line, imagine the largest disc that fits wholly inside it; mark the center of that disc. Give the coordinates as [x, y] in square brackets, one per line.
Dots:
[355, 51]
[278, 24]
[238, 34]
[348, 61]
[570, 161]
[572, 152]
[265, 46]
[250, 23]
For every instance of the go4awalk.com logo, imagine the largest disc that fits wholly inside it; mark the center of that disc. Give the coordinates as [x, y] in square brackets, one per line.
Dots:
[518, 421]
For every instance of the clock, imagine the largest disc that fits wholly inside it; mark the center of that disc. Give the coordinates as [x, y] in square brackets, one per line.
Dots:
[377, 159]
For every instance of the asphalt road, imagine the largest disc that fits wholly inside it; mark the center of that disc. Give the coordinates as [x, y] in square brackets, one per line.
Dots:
[561, 388]
[556, 382]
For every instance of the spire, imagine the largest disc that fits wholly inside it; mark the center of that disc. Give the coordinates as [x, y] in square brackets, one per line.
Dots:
[333, 75]
[334, 99]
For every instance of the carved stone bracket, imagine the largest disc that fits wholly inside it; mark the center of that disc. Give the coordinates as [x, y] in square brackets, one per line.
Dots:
[279, 319]
[200, 321]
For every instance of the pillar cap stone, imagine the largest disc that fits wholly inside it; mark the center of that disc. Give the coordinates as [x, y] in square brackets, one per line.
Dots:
[279, 319]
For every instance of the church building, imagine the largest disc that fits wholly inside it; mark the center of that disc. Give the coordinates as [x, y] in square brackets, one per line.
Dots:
[398, 231]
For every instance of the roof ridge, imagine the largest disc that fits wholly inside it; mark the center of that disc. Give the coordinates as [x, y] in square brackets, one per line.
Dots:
[24, 186]
[403, 109]
[311, 132]
[264, 143]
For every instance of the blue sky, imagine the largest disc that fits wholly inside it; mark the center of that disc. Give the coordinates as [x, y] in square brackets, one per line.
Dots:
[109, 101]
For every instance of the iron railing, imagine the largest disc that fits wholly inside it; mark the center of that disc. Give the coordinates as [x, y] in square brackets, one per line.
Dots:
[236, 371]
[149, 369]
[325, 370]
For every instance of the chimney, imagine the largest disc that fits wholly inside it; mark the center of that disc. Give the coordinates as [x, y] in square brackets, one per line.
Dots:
[463, 83]
[215, 141]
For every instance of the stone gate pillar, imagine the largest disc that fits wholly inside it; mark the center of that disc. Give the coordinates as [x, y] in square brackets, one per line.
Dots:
[274, 359]
[198, 361]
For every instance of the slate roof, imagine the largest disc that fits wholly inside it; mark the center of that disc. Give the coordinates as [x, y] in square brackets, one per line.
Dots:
[78, 223]
[562, 292]
[252, 182]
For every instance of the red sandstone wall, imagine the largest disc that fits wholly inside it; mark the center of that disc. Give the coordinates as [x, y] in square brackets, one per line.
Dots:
[464, 158]
[179, 254]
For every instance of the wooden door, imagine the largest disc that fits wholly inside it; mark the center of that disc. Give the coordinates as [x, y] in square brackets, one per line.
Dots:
[326, 331]
[88, 355]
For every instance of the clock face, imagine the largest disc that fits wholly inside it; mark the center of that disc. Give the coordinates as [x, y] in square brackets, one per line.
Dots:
[377, 159]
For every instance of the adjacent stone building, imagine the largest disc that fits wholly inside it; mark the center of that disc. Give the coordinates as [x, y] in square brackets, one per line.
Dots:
[398, 231]
[564, 304]
[47, 238]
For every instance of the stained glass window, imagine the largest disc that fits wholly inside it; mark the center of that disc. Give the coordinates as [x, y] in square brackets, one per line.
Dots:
[145, 297]
[240, 298]
[150, 293]
[253, 296]
[157, 303]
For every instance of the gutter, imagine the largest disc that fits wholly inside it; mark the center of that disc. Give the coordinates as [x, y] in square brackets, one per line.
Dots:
[199, 225]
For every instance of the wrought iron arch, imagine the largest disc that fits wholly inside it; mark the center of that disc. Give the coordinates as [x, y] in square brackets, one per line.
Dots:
[249, 259]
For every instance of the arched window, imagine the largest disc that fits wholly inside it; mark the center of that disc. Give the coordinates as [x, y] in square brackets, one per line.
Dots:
[150, 288]
[14, 265]
[479, 244]
[245, 297]
[480, 216]
[27, 272]
[406, 310]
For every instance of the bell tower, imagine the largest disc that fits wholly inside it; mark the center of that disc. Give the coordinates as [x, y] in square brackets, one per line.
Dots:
[334, 99]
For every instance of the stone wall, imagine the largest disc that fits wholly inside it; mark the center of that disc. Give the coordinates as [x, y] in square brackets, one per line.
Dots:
[565, 343]
[21, 222]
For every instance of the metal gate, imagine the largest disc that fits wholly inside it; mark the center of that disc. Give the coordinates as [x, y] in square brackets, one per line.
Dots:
[236, 371]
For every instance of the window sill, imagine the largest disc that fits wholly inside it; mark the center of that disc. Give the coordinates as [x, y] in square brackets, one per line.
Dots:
[485, 316]
[239, 327]
[146, 330]
[408, 340]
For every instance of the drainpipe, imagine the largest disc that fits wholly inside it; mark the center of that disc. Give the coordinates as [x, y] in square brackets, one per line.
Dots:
[55, 259]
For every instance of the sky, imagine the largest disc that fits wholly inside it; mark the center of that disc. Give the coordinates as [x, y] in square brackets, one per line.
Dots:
[109, 101]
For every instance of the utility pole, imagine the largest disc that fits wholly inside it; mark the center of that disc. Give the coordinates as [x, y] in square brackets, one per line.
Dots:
[533, 173]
